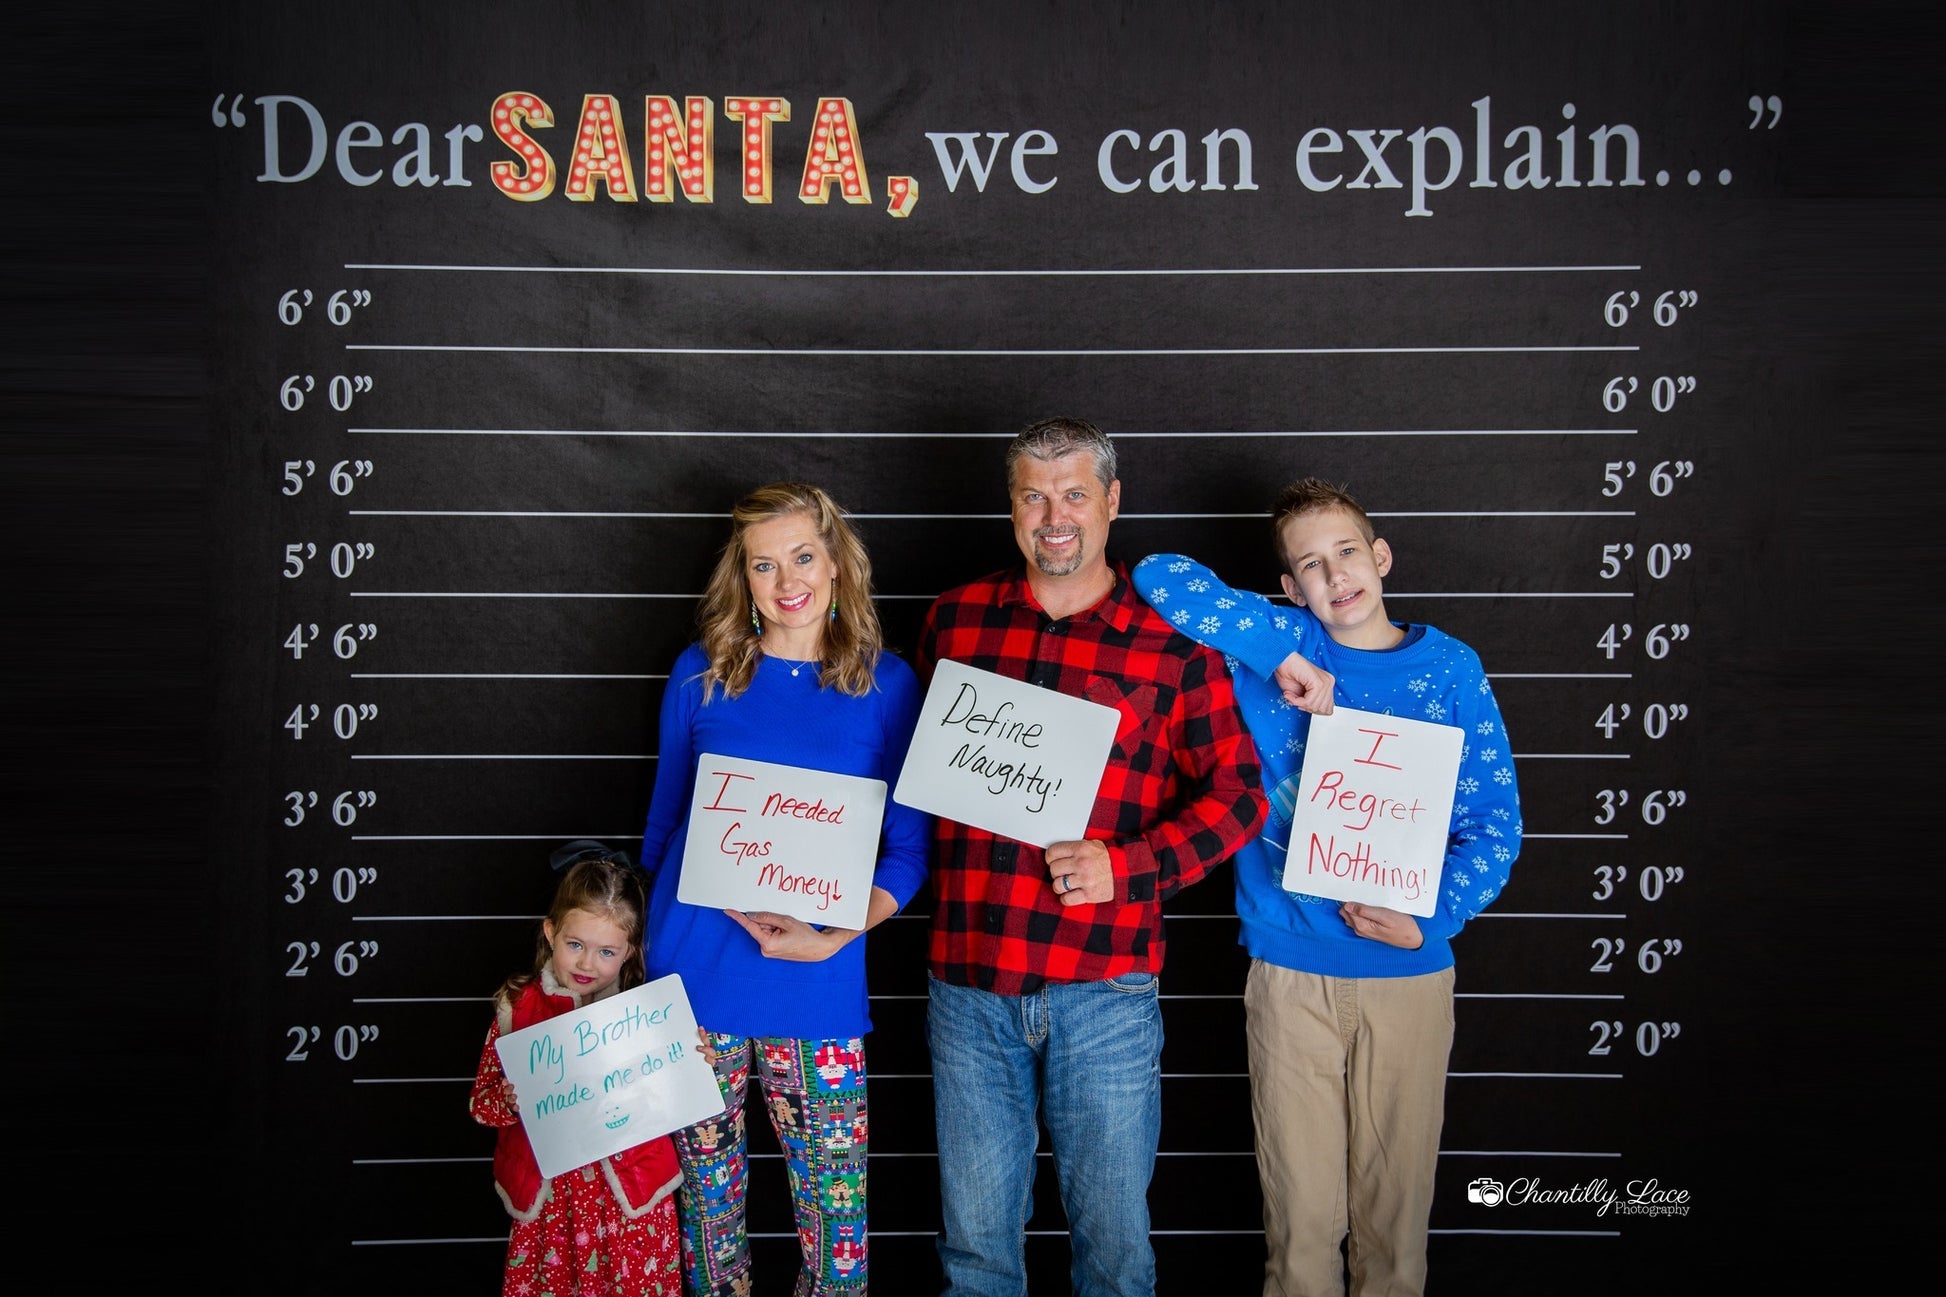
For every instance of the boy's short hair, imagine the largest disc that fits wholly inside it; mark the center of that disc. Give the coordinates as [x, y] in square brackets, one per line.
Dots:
[1310, 495]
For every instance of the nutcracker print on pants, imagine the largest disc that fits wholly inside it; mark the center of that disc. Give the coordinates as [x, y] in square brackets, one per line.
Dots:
[815, 1093]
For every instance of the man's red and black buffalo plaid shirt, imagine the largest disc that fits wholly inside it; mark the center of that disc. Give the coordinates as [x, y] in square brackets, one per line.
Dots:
[1180, 795]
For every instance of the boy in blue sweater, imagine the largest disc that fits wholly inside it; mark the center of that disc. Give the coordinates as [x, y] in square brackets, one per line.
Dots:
[1348, 1007]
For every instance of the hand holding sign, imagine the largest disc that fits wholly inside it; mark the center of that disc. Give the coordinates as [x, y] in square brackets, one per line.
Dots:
[1381, 923]
[780, 936]
[1305, 685]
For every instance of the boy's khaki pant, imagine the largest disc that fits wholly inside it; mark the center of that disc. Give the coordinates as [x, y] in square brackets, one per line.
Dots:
[1348, 1090]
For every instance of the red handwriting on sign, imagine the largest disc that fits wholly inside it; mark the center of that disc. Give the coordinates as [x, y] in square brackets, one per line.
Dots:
[718, 805]
[825, 889]
[1324, 857]
[1378, 737]
[1332, 792]
[797, 809]
[742, 850]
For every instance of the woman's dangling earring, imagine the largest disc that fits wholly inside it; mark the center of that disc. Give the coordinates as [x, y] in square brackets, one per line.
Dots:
[755, 623]
[832, 617]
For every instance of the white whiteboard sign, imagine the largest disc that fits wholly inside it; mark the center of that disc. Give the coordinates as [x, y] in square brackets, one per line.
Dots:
[608, 1077]
[782, 838]
[1006, 756]
[1374, 803]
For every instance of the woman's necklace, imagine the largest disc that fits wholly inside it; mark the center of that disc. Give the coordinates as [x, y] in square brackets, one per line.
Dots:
[796, 665]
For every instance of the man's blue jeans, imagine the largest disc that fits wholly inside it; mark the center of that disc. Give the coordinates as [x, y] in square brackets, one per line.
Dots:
[1088, 1057]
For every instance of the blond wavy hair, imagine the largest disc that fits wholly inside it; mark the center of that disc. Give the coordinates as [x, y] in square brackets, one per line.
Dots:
[852, 641]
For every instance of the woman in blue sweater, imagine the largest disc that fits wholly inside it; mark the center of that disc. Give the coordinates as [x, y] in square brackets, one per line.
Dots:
[1348, 1007]
[789, 670]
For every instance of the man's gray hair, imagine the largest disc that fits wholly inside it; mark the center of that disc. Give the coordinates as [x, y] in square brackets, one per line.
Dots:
[1057, 438]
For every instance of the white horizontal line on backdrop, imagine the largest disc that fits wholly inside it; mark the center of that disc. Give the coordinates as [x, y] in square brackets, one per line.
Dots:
[635, 594]
[1252, 515]
[963, 273]
[945, 352]
[641, 756]
[826, 435]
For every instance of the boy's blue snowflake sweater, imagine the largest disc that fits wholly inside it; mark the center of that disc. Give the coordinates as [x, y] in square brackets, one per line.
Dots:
[1430, 676]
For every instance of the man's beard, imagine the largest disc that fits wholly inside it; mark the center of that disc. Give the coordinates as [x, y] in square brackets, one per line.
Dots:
[1067, 566]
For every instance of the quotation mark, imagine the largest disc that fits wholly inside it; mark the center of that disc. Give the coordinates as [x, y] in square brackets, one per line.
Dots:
[1758, 106]
[235, 116]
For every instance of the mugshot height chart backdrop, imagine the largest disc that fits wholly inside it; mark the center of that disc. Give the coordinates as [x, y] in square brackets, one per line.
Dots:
[509, 305]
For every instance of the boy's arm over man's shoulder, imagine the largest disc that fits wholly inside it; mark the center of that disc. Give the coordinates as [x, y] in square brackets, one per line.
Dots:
[1237, 623]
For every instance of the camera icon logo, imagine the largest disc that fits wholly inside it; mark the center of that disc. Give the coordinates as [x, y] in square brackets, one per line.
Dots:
[1487, 1191]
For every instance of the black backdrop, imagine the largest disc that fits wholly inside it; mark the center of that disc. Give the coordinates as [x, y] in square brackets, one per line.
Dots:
[563, 398]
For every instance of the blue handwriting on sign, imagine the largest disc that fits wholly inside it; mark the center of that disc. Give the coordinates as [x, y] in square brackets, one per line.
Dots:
[545, 1054]
[589, 1037]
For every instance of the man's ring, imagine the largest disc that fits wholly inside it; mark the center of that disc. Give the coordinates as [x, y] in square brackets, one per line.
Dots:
[1064, 882]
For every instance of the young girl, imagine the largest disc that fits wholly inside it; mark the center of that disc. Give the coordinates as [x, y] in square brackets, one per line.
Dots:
[607, 1229]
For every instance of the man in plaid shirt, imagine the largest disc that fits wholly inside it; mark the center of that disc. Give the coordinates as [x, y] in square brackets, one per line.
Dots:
[1044, 963]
